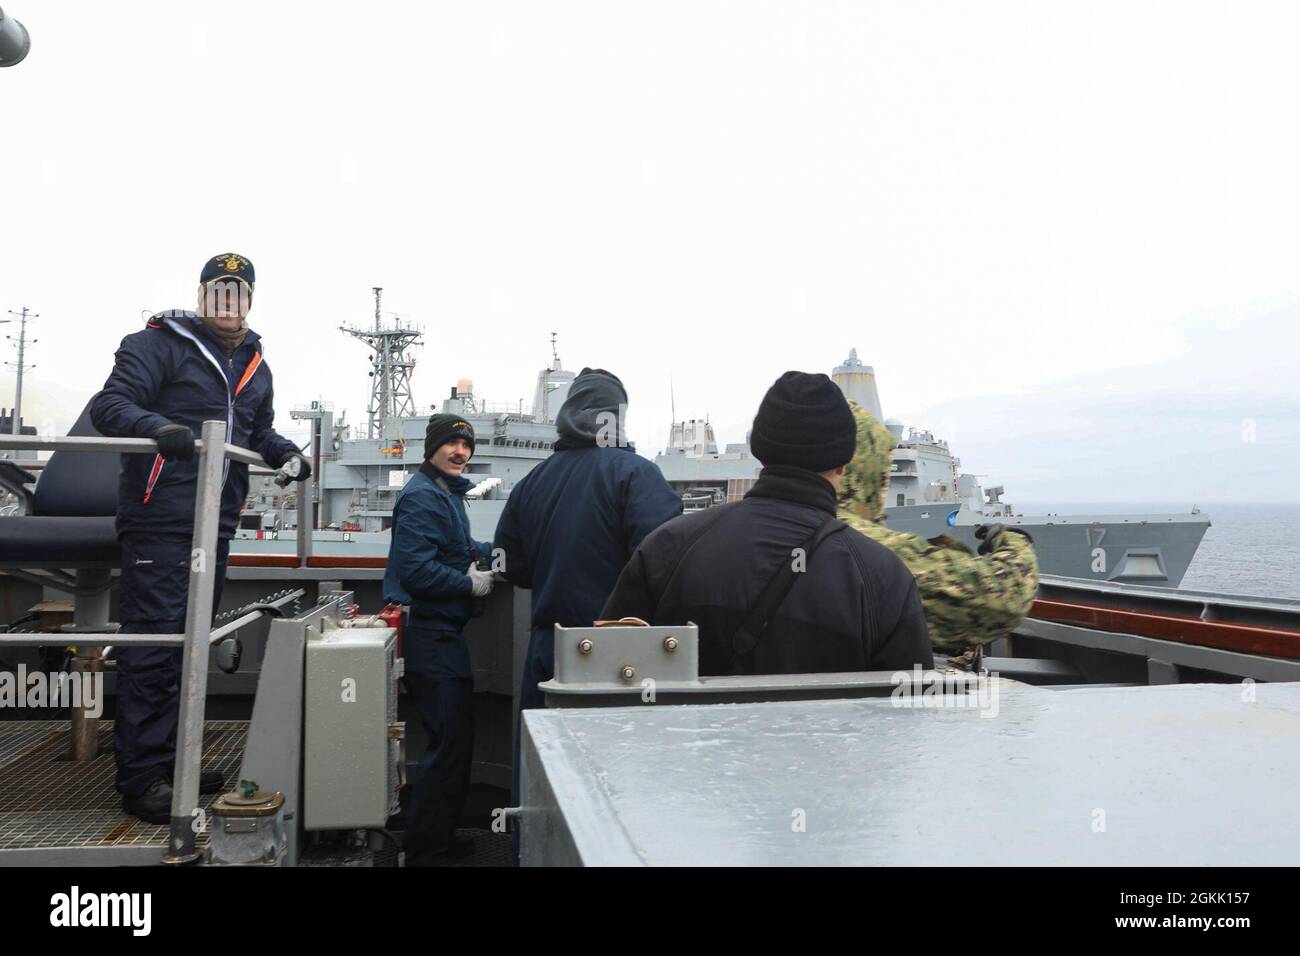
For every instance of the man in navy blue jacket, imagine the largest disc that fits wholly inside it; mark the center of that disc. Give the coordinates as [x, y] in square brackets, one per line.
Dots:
[573, 522]
[432, 569]
[182, 369]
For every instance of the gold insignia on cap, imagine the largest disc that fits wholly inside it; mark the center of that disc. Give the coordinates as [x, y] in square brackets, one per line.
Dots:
[234, 263]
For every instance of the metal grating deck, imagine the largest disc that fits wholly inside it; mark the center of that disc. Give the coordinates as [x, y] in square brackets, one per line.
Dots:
[49, 802]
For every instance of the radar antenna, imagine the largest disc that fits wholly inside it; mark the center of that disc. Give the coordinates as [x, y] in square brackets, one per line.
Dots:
[391, 367]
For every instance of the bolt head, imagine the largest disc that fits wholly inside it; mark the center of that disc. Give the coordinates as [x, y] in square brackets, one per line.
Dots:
[627, 672]
[585, 646]
[670, 643]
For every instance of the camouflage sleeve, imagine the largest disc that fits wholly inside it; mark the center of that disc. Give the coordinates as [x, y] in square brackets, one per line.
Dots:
[970, 599]
[967, 599]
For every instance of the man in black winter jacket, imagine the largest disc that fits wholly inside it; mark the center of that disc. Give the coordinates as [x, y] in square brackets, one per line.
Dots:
[182, 369]
[837, 601]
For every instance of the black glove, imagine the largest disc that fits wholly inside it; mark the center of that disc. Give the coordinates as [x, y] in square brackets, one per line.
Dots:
[175, 442]
[989, 534]
[293, 468]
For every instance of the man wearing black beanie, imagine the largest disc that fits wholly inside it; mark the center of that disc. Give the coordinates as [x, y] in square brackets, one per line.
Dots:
[804, 421]
[432, 569]
[776, 583]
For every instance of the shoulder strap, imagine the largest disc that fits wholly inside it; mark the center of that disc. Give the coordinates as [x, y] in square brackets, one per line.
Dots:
[686, 553]
[750, 633]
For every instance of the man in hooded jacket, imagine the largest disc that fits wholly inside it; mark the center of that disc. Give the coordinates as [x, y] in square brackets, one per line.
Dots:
[969, 599]
[571, 524]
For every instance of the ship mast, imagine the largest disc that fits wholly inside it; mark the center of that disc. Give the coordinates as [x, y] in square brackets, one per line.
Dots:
[541, 407]
[391, 367]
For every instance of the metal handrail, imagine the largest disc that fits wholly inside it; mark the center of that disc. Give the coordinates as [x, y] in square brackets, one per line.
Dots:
[95, 443]
[182, 847]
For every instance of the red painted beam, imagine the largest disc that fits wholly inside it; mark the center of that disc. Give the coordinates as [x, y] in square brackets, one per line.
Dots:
[246, 560]
[1243, 638]
[343, 561]
[238, 560]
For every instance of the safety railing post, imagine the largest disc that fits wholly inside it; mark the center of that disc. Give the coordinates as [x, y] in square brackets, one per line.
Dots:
[306, 492]
[182, 845]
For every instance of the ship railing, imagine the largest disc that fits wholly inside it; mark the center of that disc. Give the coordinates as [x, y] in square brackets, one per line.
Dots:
[505, 408]
[212, 452]
[1097, 629]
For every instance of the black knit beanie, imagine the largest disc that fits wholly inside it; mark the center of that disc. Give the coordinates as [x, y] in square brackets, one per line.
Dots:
[804, 421]
[442, 429]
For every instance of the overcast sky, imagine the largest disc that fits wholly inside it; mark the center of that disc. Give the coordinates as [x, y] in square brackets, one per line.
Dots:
[1066, 236]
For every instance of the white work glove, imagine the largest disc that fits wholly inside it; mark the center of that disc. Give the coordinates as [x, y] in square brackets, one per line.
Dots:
[482, 581]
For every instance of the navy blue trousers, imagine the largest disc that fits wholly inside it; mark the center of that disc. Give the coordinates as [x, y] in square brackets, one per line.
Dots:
[441, 684]
[154, 597]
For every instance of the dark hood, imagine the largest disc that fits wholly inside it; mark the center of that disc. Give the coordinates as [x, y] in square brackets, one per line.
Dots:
[596, 402]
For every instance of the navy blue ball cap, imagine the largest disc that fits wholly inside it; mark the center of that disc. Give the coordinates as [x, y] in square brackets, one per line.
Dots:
[228, 265]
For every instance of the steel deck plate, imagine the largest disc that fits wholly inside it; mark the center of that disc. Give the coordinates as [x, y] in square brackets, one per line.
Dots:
[47, 801]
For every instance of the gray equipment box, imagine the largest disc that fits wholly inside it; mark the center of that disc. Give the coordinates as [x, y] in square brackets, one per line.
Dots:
[352, 740]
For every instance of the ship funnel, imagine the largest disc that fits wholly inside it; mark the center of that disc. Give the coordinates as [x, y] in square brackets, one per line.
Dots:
[858, 383]
[14, 41]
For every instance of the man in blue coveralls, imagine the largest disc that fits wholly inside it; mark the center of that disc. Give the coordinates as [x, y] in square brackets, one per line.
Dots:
[432, 568]
[182, 369]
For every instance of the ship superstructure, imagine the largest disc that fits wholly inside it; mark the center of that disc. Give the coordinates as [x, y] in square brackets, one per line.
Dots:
[701, 474]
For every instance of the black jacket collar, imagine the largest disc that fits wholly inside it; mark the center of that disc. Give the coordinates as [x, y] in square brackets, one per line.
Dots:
[795, 484]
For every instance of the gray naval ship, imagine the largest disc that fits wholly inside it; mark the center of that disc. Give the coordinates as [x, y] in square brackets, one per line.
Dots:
[361, 476]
